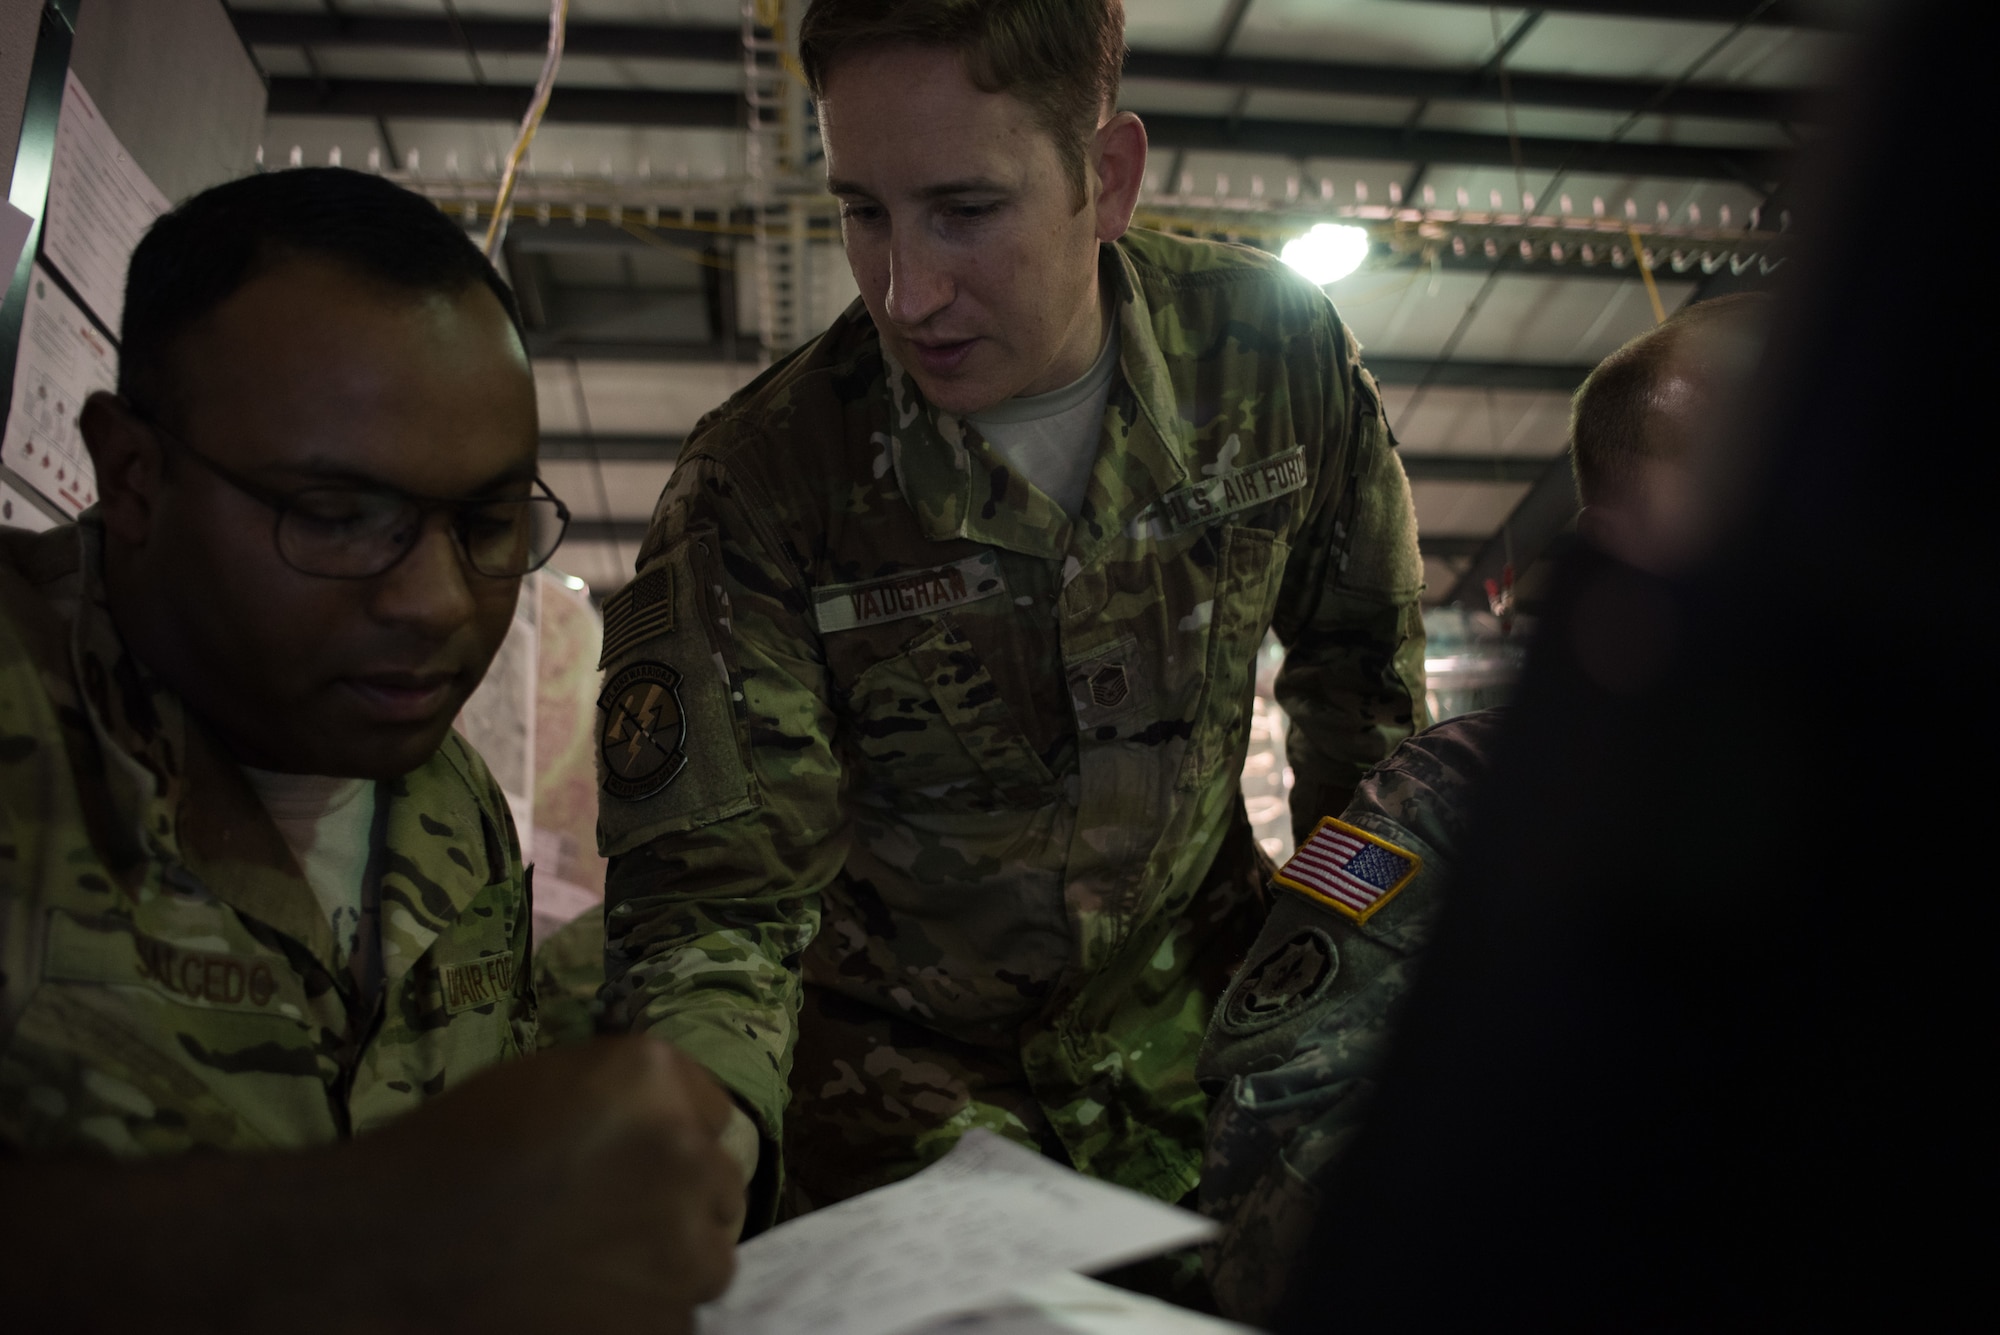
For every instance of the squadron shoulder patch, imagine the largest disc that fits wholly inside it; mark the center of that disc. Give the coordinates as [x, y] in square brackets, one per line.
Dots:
[1348, 870]
[644, 738]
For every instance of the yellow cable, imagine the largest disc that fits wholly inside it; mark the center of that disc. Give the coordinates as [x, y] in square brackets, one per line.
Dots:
[496, 230]
[1646, 272]
[697, 256]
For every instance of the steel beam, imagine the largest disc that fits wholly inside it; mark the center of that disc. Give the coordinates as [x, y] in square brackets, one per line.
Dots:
[713, 45]
[421, 100]
[724, 45]
[1784, 14]
[1454, 85]
[1392, 143]
[370, 98]
[1541, 266]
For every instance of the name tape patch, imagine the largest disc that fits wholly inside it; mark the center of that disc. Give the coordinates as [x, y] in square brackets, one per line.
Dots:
[1349, 870]
[479, 982]
[847, 606]
[638, 612]
[198, 975]
[1213, 498]
[81, 954]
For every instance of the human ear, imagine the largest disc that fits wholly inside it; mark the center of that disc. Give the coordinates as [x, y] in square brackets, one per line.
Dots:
[1119, 158]
[127, 456]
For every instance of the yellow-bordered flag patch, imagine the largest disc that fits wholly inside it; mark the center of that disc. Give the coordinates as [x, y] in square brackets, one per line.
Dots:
[1349, 870]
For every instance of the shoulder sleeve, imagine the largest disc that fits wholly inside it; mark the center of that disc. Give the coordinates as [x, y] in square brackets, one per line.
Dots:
[1349, 615]
[1297, 1041]
[720, 789]
[1423, 792]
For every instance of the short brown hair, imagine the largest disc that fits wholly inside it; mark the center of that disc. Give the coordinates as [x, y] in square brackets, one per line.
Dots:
[1061, 57]
[1611, 420]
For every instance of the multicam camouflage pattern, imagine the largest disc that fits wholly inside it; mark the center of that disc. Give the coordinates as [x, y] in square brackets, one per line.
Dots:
[965, 765]
[169, 977]
[569, 975]
[1294, 1046]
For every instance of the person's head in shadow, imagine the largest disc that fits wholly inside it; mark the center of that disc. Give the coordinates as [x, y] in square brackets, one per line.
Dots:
[1642, 422]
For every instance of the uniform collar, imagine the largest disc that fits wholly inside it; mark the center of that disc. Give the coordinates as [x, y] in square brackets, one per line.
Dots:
[960, 489]
[185, 798]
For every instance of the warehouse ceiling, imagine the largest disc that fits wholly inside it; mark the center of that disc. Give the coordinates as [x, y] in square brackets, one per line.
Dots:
[1516, 169]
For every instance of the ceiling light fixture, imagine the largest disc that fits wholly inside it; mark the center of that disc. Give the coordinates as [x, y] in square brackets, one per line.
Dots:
[1328, 253]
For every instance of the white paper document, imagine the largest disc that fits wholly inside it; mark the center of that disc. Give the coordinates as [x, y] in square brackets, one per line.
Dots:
[1069, 1304]
[17, 511]
[987, 1219]
[62, 358]
[100, 203]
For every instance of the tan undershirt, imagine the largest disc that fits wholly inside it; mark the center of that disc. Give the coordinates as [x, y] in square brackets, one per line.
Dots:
[328, 824]
[1050, 440]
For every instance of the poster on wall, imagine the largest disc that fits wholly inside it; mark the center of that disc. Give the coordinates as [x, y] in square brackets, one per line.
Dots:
[100, 204]
[17, 511]
[62, 358]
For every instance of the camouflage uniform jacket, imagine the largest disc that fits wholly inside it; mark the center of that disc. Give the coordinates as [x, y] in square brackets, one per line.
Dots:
[169, 979]
[879, 712]
[1297, 1039]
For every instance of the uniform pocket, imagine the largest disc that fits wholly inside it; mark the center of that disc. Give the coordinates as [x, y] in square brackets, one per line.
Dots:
[135, 1045]
[929, 726]
[1248, 572]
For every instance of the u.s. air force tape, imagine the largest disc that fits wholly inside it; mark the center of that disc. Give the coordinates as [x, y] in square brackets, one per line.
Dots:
[1214, 498]
[479, 982]
[911, 593]
[636, 613]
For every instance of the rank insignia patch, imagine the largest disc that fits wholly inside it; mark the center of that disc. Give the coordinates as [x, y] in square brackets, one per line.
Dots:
[644, 742]
[1349, 870]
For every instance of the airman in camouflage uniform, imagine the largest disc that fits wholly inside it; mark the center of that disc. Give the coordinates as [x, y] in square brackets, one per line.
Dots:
[922, 797]
[169, 978]
[263, 924]
[1295, 1043]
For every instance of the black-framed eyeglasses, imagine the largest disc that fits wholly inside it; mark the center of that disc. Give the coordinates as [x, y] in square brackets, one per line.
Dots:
[358, 532]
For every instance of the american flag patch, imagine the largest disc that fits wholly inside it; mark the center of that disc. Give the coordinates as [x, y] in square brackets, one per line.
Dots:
[1349, 869]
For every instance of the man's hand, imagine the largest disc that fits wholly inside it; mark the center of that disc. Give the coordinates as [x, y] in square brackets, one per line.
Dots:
[583, 1188]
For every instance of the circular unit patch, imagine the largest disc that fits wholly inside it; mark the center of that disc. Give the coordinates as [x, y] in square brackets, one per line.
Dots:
[644, 738]
[1283, 981]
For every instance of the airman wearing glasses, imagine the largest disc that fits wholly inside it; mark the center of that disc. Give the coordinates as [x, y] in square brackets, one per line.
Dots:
[255, 895]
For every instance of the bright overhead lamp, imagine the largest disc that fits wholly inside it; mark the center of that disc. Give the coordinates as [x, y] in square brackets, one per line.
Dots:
[1328, 253]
